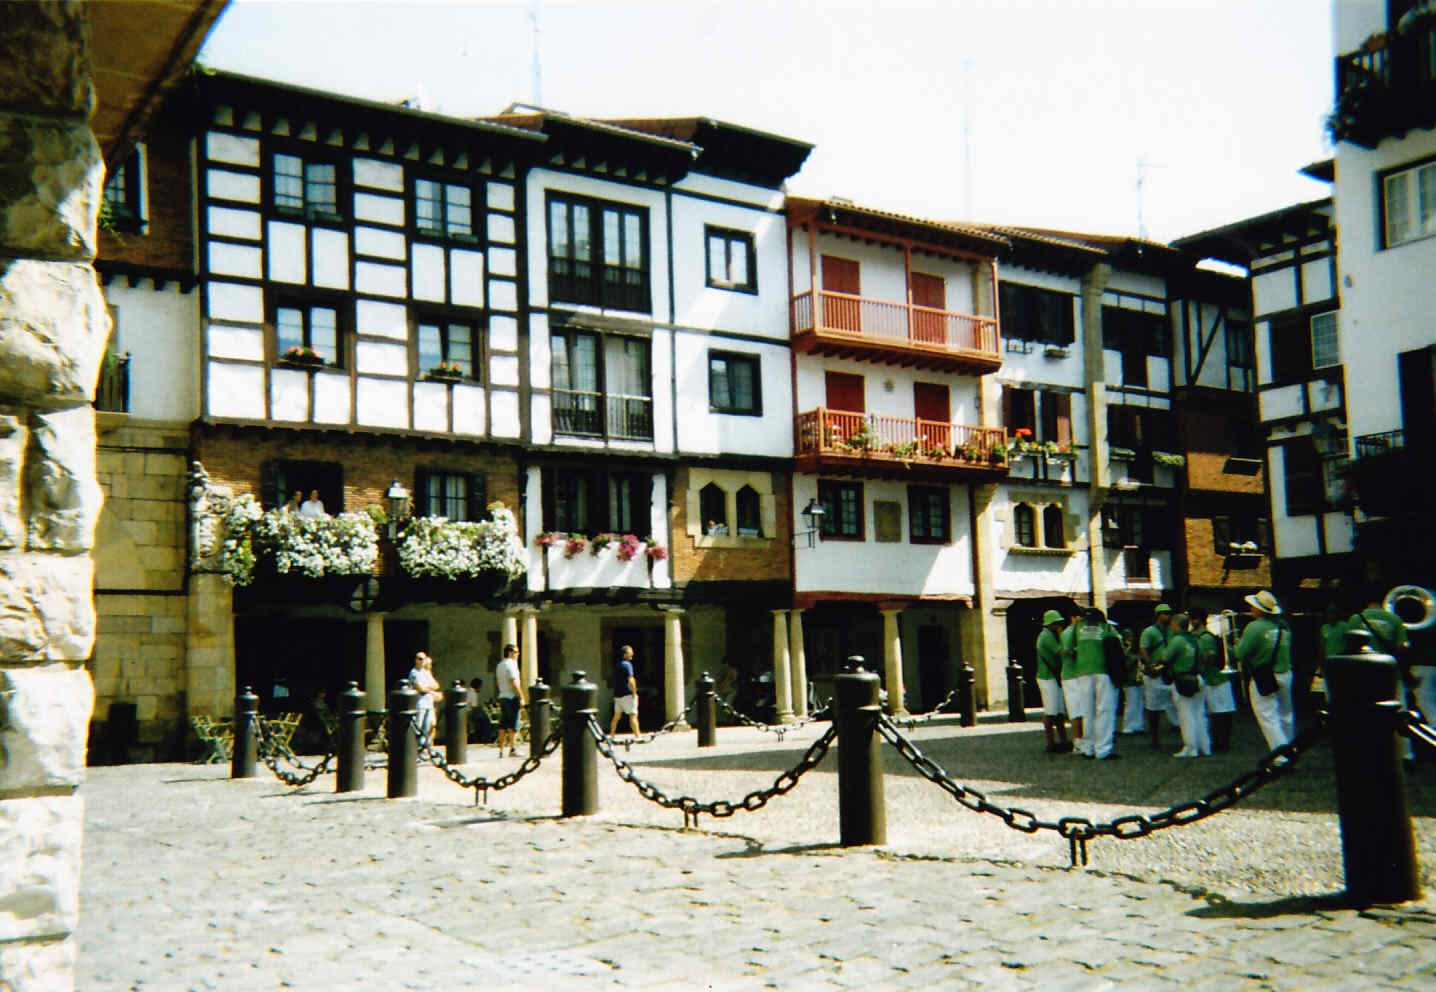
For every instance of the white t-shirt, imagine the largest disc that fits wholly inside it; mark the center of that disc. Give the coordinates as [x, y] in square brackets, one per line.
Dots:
[312, 509]
[424, 680]
[507, 675]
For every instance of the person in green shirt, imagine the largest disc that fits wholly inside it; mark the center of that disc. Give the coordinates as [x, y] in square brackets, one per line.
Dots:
[1266, 644]
[1183, 658]
[1388, 635]
[1070, 694]
[1221, 701]
[1156, 693]
[1333, 640]
[1094, 687]
[1049, 682]
[1132, 699]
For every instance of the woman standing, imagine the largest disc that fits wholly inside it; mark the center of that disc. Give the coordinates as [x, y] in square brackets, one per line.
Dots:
[421, 676]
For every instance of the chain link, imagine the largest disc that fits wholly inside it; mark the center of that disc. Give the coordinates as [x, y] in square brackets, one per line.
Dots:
[653, 735]
[269, 754]
[1410, 724]
[1077, 830]
[720, 808]
[780, 730]
[912, 720]
[480, 783]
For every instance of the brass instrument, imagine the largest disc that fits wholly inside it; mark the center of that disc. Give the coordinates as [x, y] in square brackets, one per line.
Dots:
[1424, 599]
[1227, 634]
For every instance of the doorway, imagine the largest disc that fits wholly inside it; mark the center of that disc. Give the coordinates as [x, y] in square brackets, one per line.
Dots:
[932, 665]
[929, 325]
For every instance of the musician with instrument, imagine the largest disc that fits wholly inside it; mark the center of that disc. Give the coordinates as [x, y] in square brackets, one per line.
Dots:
[1217, 683]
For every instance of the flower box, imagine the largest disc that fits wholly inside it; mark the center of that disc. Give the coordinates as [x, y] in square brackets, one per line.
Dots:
[1054, 351]
[306, 358]
[445, 373]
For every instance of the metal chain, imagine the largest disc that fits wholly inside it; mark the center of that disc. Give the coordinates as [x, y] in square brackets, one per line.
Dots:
[690, 806]
[780, 730]
[1077, 830]
[480, 783]
[1411, 724]
[653, 735]
[269, 754]
[912, 720]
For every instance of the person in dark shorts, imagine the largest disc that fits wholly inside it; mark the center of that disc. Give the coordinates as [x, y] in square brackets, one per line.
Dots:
[511, 697]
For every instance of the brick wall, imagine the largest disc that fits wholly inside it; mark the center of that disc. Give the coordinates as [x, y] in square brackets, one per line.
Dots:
[770, 561]
[168, 241]
[1207, 568]
[1207, 471]
[370, 463]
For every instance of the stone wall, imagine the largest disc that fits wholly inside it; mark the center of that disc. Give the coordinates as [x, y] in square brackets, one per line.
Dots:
[53, 327]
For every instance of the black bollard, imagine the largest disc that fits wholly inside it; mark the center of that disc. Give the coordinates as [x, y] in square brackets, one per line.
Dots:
[580, 755]
[862, 816]
[707, 717]
[967, 695]
[350, 774]
[1378, 851]
[540, 718]
[403, 747]
[1016, 703]
[246, 734]
[456, 724]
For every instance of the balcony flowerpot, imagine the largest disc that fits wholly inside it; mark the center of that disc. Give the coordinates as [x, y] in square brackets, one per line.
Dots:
[443, 374]
[302, 358]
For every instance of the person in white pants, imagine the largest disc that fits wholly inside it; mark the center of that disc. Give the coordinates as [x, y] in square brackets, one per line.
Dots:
[1266, 644]
[1133, 698]
[1094, 683]
[1191, 709]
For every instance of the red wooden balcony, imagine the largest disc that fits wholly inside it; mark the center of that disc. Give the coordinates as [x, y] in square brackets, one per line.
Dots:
[850, 326]
[871, 444]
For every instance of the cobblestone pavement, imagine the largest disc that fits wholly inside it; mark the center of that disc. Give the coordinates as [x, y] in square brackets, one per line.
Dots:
[193, 881]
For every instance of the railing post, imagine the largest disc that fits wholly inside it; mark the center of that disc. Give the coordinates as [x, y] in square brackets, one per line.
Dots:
[540, 717]
[967, 695]
[707, 718]
[403, 748]
[1378, 851]
[580, 754]
[456, 724]
[246, 734]
[1016, 703]
[862, 816]
[349, 777]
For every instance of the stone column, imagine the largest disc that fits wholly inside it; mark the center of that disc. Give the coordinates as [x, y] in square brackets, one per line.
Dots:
[209, 646]
[509, 631]
[528, 650]
[782, 676]
[892, 662]
[1095, 373]
[674, 681]
[799, 660]
[53, 326]
[375, 685]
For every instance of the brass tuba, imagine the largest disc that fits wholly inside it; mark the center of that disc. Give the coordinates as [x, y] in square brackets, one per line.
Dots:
[1400, 600]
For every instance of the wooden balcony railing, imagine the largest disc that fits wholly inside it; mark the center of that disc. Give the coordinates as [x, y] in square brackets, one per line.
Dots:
[1387, 87]
[837, 433]
[900, 324]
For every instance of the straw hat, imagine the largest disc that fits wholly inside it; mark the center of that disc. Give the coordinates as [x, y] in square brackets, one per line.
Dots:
[1265, 602]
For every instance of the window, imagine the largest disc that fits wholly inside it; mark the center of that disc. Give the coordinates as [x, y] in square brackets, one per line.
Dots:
[1032, 314]
[750, 513]
[713, 508]
[1137, 335]
[1303, 477]
[1024, 525]
[590, 502]
[1240, 533]
[305, 186]
[927, 515]
[601, 385]
[1325, 348]
[1238, 337]
[281, 478]
[300, 326]
[843, 506]
[443, 210]
[1056, 417]
[598, 253]
[124, 194]
[443, 342]
[455, 495]
[730, 259]
[1019, 410]
[1408, 200]
[1053, 529]
[733, 383]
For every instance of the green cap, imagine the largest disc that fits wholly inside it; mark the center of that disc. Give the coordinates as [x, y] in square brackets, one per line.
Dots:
[1051, 617]
[1162, 608]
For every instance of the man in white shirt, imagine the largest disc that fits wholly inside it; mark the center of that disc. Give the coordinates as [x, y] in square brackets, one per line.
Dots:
[511, 697]
[313, 507]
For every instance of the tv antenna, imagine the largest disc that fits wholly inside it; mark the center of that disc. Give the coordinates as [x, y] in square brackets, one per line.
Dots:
[1142, 166]
[537, 95]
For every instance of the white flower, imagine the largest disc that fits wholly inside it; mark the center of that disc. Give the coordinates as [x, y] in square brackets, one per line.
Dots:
[450, 549]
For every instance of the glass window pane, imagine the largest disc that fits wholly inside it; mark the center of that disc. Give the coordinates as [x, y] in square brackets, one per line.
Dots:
[455, 497]
[319, 188]
[718, 394]
[458, 215]
[741, 378]
[558, 234]
[632, 241]
[717, 258]
[461, 347]
[738, 261]
[288, 181]
[1324, 345]
[562, 377]
[431, 350]
[612, 244]
[434, 493]
[582, 234]
[1426, 198]
[426, 205]
[1398, 215]
[584, 370]
[324, 333]
[289, 328]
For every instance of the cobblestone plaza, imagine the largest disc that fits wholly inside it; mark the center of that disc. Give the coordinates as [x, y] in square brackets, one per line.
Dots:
[216, 884]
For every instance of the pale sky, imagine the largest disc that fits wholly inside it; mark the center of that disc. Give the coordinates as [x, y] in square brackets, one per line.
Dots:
[1225, 99]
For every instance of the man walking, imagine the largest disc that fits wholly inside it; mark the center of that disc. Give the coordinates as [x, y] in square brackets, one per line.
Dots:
[1049, 682]
[511, 697]
[1156, 693]
[625, 692]
[1265, 649]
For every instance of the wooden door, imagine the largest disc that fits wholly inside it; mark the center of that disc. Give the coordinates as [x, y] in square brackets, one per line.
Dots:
[929, 293]
[931, 406]
[841, 312]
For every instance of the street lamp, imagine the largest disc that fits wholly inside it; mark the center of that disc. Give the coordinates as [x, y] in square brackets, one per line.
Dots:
[813, 515]
[398, 499]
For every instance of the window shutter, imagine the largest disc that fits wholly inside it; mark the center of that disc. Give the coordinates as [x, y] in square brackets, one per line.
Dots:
[1063, 403]
[419, 500]
[1263, 535]
[1007, 408]
[269, 485]
[1067, 325]
[1222, 535]
[478, 497]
